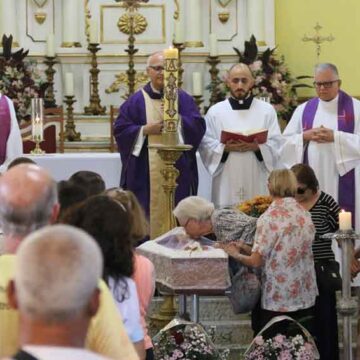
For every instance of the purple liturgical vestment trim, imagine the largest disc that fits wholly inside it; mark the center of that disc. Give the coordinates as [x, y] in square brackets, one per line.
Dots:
[346, 198]
[5, 125]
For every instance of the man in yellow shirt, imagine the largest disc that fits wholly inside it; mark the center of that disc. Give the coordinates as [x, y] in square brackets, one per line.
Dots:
[28, 201]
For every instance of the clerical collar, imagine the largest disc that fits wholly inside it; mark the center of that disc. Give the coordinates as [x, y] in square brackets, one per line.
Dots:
[243, 104]
[153, 93]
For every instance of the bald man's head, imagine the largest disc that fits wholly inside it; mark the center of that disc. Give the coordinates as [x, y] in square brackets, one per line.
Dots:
[240, 81]
[28, 200]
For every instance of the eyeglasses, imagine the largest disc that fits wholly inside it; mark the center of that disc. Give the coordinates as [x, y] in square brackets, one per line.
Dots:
[325, 84]
[301, 191]
[157, 68]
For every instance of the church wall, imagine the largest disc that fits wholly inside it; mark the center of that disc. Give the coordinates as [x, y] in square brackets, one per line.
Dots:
[341, 18]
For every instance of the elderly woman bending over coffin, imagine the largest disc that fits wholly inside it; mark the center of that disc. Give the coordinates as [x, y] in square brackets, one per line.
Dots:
[199, 218]
[282, 246]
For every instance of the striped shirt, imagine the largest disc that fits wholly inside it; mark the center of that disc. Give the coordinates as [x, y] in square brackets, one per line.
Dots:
[325, 216]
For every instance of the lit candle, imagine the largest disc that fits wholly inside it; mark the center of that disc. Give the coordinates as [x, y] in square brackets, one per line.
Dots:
[213, 45]
[179, 34]
[197, 84]
[69, 84]
[37, 119]
[93, 32]
[345, 220]
[171, 115]
[50, 45]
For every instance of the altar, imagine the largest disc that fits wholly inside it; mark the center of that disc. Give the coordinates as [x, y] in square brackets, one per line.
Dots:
[108, 165]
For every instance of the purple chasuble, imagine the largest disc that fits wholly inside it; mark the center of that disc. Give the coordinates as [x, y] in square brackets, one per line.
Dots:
[5, 125]
[346, 118]
[135, 169]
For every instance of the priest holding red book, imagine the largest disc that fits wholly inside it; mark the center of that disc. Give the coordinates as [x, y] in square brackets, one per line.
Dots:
[240, 168]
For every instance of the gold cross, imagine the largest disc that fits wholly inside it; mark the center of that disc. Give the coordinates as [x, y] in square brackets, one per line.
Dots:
[318, 39]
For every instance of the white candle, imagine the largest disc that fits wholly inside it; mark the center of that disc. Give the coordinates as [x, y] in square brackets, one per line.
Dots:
[70, 22]
[194, 15]
[69, 84]
[213, 45]
[345, 220]
[256, 19]
[50, 45]
[179, 34]
[93, 32]
[197, 84]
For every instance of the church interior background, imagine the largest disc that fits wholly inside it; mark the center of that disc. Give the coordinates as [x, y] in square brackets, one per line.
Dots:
[60, 31]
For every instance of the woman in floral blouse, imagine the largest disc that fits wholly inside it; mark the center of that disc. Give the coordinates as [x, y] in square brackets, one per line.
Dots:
[282, 246]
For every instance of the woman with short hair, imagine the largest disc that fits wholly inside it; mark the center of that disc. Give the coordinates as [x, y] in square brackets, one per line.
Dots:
[282, 247]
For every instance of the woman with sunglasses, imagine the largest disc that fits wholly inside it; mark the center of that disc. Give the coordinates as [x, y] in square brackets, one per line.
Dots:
[324, 212]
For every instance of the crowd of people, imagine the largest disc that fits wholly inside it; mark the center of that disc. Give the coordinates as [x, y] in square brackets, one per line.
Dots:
[68, 249]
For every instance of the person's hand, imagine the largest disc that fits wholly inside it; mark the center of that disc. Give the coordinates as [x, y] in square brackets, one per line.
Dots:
[241, 146]
[230, 248]
[319, 135]
[153, 128]
[354, 267]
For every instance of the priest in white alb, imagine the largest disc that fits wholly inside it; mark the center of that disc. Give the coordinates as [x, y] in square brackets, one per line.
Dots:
[239, 169]
[324, 132]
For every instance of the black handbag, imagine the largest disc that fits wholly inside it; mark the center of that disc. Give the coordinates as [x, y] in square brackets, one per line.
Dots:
[328, 276]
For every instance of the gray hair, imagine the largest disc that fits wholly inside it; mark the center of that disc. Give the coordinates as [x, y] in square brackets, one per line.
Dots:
[326, 66]
[194, 207]
[20, 221]
[153, 54]
[57, 272]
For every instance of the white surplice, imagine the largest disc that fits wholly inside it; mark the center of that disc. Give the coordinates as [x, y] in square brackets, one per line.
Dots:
[329, 160]
[242, 176]
[14, 147]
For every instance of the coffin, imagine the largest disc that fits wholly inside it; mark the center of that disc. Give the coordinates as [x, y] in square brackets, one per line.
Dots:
[185, 264]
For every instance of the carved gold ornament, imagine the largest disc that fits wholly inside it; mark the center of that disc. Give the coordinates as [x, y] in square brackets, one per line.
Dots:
[224, 16]
[135, 21]
[40, 17]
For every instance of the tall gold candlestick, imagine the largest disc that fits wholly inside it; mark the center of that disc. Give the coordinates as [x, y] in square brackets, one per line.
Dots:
[70, 130]
[180, 47]
[95, 107]
[50, 101]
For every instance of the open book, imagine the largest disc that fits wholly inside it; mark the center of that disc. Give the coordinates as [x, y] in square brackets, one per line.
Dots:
[256, 135]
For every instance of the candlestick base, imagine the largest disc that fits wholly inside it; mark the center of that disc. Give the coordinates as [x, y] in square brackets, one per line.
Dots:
[198, 100]
[37, 150]
[70, 129]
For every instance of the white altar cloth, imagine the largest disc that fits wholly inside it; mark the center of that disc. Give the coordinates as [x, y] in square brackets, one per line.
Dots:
[108, 165]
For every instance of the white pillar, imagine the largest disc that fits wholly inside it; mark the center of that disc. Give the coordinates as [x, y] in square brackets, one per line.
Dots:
[70, 23]
[256, 20]
[8, 20]
[194, 15]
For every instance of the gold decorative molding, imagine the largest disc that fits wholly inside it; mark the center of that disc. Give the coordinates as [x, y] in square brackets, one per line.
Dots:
[194, 44]
[87, 20]
[162, 40]
[177, 10]
[224, 16]
[40, 17]
[122, 80]
[70, 44]
[137, 20]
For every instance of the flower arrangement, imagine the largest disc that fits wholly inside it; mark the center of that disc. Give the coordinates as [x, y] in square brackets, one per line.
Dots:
[256, 206]
[185, 341]
[19, 79]
[281, 347]
[273, 79]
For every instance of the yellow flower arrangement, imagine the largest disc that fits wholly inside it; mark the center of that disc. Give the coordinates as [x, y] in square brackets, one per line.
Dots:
[256, 206]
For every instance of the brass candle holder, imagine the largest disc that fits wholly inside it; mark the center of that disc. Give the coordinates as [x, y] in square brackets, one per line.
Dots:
[49, 100]
[37, 151]
[198, 100]
[180, 47]
[70, 130]
[215, 96]
[95, 107]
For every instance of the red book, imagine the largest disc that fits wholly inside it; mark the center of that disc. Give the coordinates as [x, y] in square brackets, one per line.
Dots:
[258, 135]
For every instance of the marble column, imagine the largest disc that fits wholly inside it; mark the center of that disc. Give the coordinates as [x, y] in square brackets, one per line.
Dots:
[256, 20]
[70, 23]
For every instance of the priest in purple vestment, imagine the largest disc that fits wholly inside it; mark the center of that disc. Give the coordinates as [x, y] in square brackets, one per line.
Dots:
[10, 137]
[140, 120]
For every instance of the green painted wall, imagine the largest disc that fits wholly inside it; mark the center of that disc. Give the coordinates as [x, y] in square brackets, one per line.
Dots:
[341, 18]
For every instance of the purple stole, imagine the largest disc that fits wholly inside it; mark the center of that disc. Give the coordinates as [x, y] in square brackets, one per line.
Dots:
[346, 198]
[5, 125]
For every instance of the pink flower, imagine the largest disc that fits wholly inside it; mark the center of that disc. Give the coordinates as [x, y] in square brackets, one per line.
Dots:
[279, 338]
[259, 340]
